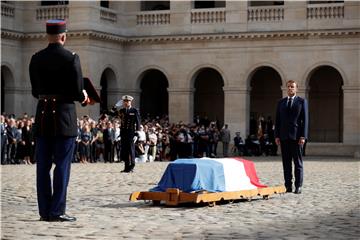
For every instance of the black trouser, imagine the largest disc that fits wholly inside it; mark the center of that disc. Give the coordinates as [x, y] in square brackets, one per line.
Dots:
[11, 152]
[108, 152]
[292, 151]
[128, 149]
[3, 149]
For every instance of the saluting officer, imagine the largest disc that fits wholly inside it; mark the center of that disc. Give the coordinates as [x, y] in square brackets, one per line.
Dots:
[130, 123]
[57, 82]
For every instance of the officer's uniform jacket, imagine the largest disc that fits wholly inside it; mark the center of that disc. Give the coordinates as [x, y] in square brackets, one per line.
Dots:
[130, 120]
[57, 82]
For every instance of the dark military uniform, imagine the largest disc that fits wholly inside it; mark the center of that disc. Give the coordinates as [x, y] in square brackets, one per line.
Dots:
[57, 82]
[130, 123]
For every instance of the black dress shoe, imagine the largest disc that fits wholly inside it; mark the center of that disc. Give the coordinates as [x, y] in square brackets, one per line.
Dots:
[298, 190]
[62, 218]
[125, 171]
[288, 189]
[45, 219]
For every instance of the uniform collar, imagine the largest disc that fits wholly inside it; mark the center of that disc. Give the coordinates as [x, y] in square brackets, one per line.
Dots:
[53, 45]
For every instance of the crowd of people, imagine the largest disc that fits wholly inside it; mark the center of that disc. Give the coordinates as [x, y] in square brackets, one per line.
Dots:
[157, 140]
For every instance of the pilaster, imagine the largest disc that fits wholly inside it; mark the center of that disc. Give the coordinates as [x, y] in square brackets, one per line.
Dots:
[237, 109]
[351, 115]
[181, 107]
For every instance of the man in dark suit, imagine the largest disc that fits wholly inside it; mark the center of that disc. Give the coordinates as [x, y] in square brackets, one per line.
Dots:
[56, 79]
[291, 131]
[129, 124]
[109, 138]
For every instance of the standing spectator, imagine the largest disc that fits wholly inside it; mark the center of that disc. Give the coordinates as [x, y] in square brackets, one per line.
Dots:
[183, 141]
[94, 133]
[27, 141]
[239, 144]
[13, 138]
[99, 142]
[117, 140]
[3, 138]
[56, 79]
[225, 137]
[109, 137]
[152, 142]
[214, 139]
[141, 146]
[203, 142]
[291, 131]
[84, 144]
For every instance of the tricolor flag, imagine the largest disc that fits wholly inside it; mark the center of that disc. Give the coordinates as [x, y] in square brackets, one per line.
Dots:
[209, 174]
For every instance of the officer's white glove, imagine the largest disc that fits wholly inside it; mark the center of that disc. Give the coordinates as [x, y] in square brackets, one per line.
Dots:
[135, 139]
[119, 104]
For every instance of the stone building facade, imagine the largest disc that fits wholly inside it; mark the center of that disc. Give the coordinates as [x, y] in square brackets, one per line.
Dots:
[227, 60]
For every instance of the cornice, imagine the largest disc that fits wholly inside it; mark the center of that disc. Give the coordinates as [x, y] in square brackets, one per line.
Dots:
[348, 33]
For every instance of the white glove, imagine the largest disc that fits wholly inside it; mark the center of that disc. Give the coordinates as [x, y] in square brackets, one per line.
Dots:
[119, 104]
[135, 139]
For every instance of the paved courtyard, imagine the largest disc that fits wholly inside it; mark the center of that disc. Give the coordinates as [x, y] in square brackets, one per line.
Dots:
[98, 196]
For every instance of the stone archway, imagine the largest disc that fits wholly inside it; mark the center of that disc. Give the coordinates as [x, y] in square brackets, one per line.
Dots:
[325, 105]
[265, 92]
[209, 96]
[107, 82]
[7, 98]
[154, 98]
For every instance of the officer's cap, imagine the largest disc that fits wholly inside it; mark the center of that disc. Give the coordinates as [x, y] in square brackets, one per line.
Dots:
[55, 26]
[127, 98]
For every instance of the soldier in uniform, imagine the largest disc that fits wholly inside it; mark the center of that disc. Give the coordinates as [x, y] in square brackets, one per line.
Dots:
[129, 124]
[57, 81]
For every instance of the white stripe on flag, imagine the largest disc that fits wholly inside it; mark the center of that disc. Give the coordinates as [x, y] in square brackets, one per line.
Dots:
[236, 178]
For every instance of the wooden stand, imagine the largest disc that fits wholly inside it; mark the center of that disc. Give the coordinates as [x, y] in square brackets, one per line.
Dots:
[174, 197]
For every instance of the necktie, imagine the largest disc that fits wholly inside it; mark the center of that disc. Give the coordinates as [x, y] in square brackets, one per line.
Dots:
[289, 103]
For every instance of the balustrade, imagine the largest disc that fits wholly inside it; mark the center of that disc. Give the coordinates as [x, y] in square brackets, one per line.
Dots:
[265, 14]
[52, 12]
[7, 10]
[108, 15]
[325, 11]
[217, 15]
[153, 18]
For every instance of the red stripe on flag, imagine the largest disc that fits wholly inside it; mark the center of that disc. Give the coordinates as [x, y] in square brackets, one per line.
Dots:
[251, 172]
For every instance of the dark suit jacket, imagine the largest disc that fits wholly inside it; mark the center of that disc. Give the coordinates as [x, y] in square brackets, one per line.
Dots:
[56, 71]
[292, 124]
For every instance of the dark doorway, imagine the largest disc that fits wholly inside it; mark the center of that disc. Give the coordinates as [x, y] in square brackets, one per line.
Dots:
[7, 98]
[265, 92]
[154, 99]
[325, 105]
[107, 81]
[209, 95]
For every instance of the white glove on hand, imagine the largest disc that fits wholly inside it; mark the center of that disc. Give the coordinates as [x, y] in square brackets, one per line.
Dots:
[119, 104]
[135, 139]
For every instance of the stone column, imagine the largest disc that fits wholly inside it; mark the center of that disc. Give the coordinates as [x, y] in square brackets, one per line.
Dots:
[351, 115]
[237, 110]
[181, 106]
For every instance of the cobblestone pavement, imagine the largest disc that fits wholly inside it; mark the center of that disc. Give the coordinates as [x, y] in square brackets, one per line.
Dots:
[98, 196]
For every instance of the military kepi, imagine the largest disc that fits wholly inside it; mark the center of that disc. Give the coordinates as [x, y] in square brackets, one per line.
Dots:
[127, 98]
[55, 26]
